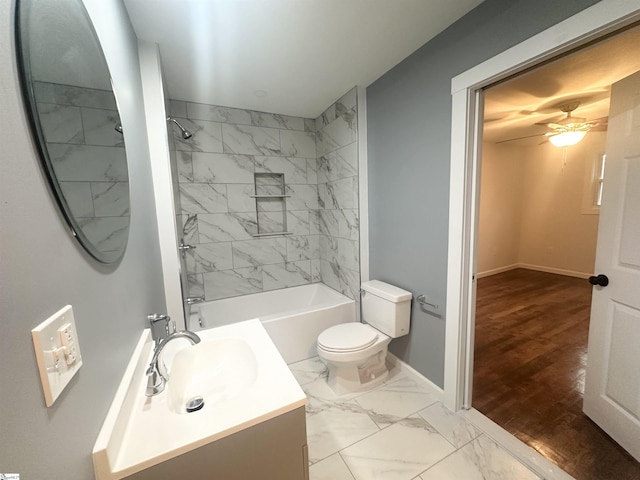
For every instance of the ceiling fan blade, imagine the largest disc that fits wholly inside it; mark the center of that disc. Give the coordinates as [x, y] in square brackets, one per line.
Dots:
[600, 127]
[521, 138]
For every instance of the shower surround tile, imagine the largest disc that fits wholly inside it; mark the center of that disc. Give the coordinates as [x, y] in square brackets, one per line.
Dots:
[294, 169]
[347, 102]
[203, 198]
[188, 227]
[271, 222]
[239, 198]
[303, 247]
[250, 140]
[232, 283]
[195, 285]
[178, 109]
[226, 227]
[298, 222]
[298, 144]
[222, 168]
[217, 182]
[339, 194]
[309, 125]
[184, 166]
[254, 253]
[209, 257]
[212, 113]
[303, 197]
[284, 275]
[339, 164]
[261, 119]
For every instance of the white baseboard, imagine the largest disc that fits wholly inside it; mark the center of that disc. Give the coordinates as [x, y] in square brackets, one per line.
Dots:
[557, 271]
[396, 363]
[495, 271]
[537, 268]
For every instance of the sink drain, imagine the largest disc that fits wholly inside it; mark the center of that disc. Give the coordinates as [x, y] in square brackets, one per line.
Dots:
[195, 404]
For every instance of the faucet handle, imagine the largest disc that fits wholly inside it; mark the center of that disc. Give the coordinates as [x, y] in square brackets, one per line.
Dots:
[161, 326]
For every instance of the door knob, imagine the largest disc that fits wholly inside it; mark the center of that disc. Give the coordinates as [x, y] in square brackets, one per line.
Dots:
[601, 280]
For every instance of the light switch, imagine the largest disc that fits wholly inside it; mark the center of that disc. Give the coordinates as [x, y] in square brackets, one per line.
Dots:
[57, 352]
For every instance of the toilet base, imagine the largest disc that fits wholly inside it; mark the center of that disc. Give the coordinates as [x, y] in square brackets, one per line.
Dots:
[353, 377]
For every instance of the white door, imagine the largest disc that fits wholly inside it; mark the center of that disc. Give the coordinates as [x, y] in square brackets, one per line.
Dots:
[612, 388]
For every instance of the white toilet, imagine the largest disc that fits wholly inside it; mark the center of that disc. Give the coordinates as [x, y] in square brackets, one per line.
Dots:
[356, 352]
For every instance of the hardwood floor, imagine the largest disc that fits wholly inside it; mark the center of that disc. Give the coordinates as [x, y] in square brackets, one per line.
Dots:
[530, 356]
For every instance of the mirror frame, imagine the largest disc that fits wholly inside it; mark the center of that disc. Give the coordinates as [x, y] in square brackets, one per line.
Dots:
[37, 133]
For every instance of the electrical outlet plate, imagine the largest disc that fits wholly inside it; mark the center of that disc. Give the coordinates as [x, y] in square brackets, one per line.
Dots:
[57, 351]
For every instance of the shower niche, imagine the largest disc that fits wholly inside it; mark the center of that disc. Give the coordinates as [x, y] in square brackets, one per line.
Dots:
[271, 204]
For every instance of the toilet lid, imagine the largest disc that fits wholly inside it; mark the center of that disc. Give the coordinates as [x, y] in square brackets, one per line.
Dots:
[347, 337]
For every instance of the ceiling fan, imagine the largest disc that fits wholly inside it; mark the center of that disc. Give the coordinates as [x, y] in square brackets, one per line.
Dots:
[569, 130]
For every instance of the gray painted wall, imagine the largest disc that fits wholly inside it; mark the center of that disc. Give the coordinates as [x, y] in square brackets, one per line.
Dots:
[409, 131]
[42, 268]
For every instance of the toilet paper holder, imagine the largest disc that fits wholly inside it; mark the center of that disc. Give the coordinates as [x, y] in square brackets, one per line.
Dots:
[423, 301]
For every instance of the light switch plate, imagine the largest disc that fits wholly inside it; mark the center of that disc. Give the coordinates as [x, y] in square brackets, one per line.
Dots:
[57, 351]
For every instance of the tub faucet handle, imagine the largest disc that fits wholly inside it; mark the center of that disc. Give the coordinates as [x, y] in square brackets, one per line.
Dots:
[194, 300]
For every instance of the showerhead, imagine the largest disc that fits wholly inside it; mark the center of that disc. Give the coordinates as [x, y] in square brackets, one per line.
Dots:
[185, 133]
[118, 127]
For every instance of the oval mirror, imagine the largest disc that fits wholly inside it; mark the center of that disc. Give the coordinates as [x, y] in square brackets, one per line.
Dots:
[75, 122]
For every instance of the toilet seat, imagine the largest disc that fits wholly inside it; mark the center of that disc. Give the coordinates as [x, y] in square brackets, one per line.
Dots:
[347, 337]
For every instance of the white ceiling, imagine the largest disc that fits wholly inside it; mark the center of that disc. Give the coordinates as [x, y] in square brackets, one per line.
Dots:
[512, 108]
[293, 57]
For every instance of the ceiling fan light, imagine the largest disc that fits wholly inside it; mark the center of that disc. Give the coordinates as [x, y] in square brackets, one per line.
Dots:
[566, 139]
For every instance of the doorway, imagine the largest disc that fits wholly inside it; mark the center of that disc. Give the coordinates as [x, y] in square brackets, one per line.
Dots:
[537, 235]
[467, 105]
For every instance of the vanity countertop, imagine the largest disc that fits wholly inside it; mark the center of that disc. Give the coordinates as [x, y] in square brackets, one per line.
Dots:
[141, 431]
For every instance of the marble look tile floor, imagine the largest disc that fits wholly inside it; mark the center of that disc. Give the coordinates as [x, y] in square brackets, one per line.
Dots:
[398, 431]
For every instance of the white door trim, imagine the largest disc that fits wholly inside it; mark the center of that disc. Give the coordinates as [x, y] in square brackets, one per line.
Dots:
[596, 21]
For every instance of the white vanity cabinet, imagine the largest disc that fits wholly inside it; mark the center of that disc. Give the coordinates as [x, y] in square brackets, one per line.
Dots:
[272, 450]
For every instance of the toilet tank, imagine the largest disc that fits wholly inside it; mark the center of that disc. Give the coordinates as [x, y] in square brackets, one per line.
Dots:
[386, 308]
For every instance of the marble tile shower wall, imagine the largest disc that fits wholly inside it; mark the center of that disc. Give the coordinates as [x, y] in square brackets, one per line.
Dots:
[216, 169]
[216, 180]
[337, 173]
[88, 157]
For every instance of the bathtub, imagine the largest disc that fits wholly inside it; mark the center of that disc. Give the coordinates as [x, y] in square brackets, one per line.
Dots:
[293, 317]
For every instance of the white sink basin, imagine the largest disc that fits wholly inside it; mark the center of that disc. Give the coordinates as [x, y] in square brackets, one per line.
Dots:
[236, 369]
[217, 370]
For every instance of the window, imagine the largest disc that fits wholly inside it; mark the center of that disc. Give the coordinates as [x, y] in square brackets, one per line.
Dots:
[598, 180]
[593, 184]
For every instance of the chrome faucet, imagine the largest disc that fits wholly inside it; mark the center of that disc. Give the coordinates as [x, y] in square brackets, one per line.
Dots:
[156, 380]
